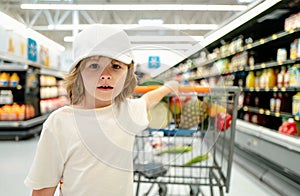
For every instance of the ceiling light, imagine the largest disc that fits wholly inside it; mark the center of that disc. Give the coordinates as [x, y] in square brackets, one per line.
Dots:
[128, 7]
[154, 39]
[68, 27]
[150, 22]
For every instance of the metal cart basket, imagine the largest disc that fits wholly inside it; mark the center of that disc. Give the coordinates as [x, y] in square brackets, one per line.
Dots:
[195, 153]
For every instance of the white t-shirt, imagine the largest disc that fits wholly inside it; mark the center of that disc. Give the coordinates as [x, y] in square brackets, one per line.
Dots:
[91, 151]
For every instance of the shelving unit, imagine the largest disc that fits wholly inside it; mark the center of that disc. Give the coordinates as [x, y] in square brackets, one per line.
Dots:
[260, 39]
[27, 122]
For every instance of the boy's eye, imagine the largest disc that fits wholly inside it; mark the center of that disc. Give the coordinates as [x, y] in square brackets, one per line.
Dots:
[116, 66]
[94, 66]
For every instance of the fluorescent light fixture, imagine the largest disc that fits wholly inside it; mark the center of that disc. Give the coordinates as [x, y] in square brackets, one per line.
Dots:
[150, 22]
[154, 39]
[68, 27]
[128, 7]
[258, 9]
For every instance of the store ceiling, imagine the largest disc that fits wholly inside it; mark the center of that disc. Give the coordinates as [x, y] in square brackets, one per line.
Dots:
[41, 19]
[47, 21]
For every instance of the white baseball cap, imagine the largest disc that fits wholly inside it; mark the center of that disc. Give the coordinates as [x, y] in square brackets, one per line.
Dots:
[101, 40]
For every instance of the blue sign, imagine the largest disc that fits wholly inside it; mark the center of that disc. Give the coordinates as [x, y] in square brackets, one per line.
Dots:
[32, 50]
[153, 62]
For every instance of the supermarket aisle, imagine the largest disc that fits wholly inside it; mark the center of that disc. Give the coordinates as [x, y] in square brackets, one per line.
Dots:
[16, 157]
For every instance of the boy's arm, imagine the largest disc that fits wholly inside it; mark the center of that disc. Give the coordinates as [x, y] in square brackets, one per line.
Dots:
[153, 97]
[44, 192]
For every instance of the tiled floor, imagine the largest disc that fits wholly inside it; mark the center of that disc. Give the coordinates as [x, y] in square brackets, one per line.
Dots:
[16, 158]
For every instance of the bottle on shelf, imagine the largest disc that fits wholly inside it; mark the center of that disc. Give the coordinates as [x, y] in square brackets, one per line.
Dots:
[250, 80]
[286, 78]
[263, 79]
[14, 80]
[296, 104]
[273, 102]
[280, 77]
[4, 79]
[278, 102]
[257, 78]
[270, 79]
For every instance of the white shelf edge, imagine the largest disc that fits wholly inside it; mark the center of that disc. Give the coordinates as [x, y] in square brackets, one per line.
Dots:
[268, 135]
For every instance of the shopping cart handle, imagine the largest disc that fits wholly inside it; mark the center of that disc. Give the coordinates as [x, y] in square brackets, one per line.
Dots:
[182, 89]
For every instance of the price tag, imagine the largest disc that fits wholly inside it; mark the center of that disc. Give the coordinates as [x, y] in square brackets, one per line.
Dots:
[249, 46]
[262, 41]
[268, 112]
[283, 89]
[263, 65]
[297, 118]
[277, 114]
[280, 62]
[252, 67]
[267, 89]
[275, 89]
[251, 89]
[274, 36]
[257, 89]
[245, 108]
[291, 30]
[241, 68]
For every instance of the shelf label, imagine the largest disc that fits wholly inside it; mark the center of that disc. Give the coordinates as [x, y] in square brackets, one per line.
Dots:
[251, 89]
[245, 108]
[274, 36]
[257, 89]
[291, 31]
[241, 68]
[263, 65]
[267, 89]
[252, 67]
[268, 112]
[275, 89]
[280, 62]
[262, 41]
[283, 89]
[297, 118]
[277, 114]
[249, 46]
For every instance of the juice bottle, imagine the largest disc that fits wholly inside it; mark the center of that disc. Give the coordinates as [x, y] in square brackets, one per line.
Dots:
[4, 77]
[263, 79]
[257, 78]
[250, 80]
[271, 78]
[296, 104]
[14, 79]
[280, 77]
[286, 78]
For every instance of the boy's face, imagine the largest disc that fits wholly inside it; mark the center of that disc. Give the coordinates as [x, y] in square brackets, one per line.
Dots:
[103, 79]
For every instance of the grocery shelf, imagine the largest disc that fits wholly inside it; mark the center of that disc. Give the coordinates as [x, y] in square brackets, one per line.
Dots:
[21, 129]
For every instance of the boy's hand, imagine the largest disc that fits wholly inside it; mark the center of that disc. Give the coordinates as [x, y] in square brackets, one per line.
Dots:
[173, 85]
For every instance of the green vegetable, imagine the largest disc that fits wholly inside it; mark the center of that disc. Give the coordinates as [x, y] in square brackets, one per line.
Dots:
[197, 159]
[175, 150]
[152, 83]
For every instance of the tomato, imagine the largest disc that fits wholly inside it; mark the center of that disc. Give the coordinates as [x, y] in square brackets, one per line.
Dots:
[223, 121]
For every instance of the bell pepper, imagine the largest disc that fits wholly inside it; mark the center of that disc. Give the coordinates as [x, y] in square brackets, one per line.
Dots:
[288, 127]
[223, 121]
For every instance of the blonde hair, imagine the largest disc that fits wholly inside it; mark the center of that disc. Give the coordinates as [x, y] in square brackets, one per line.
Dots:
[75, 89]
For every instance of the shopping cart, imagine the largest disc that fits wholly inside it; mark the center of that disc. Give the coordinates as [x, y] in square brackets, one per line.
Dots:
[197, 153]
